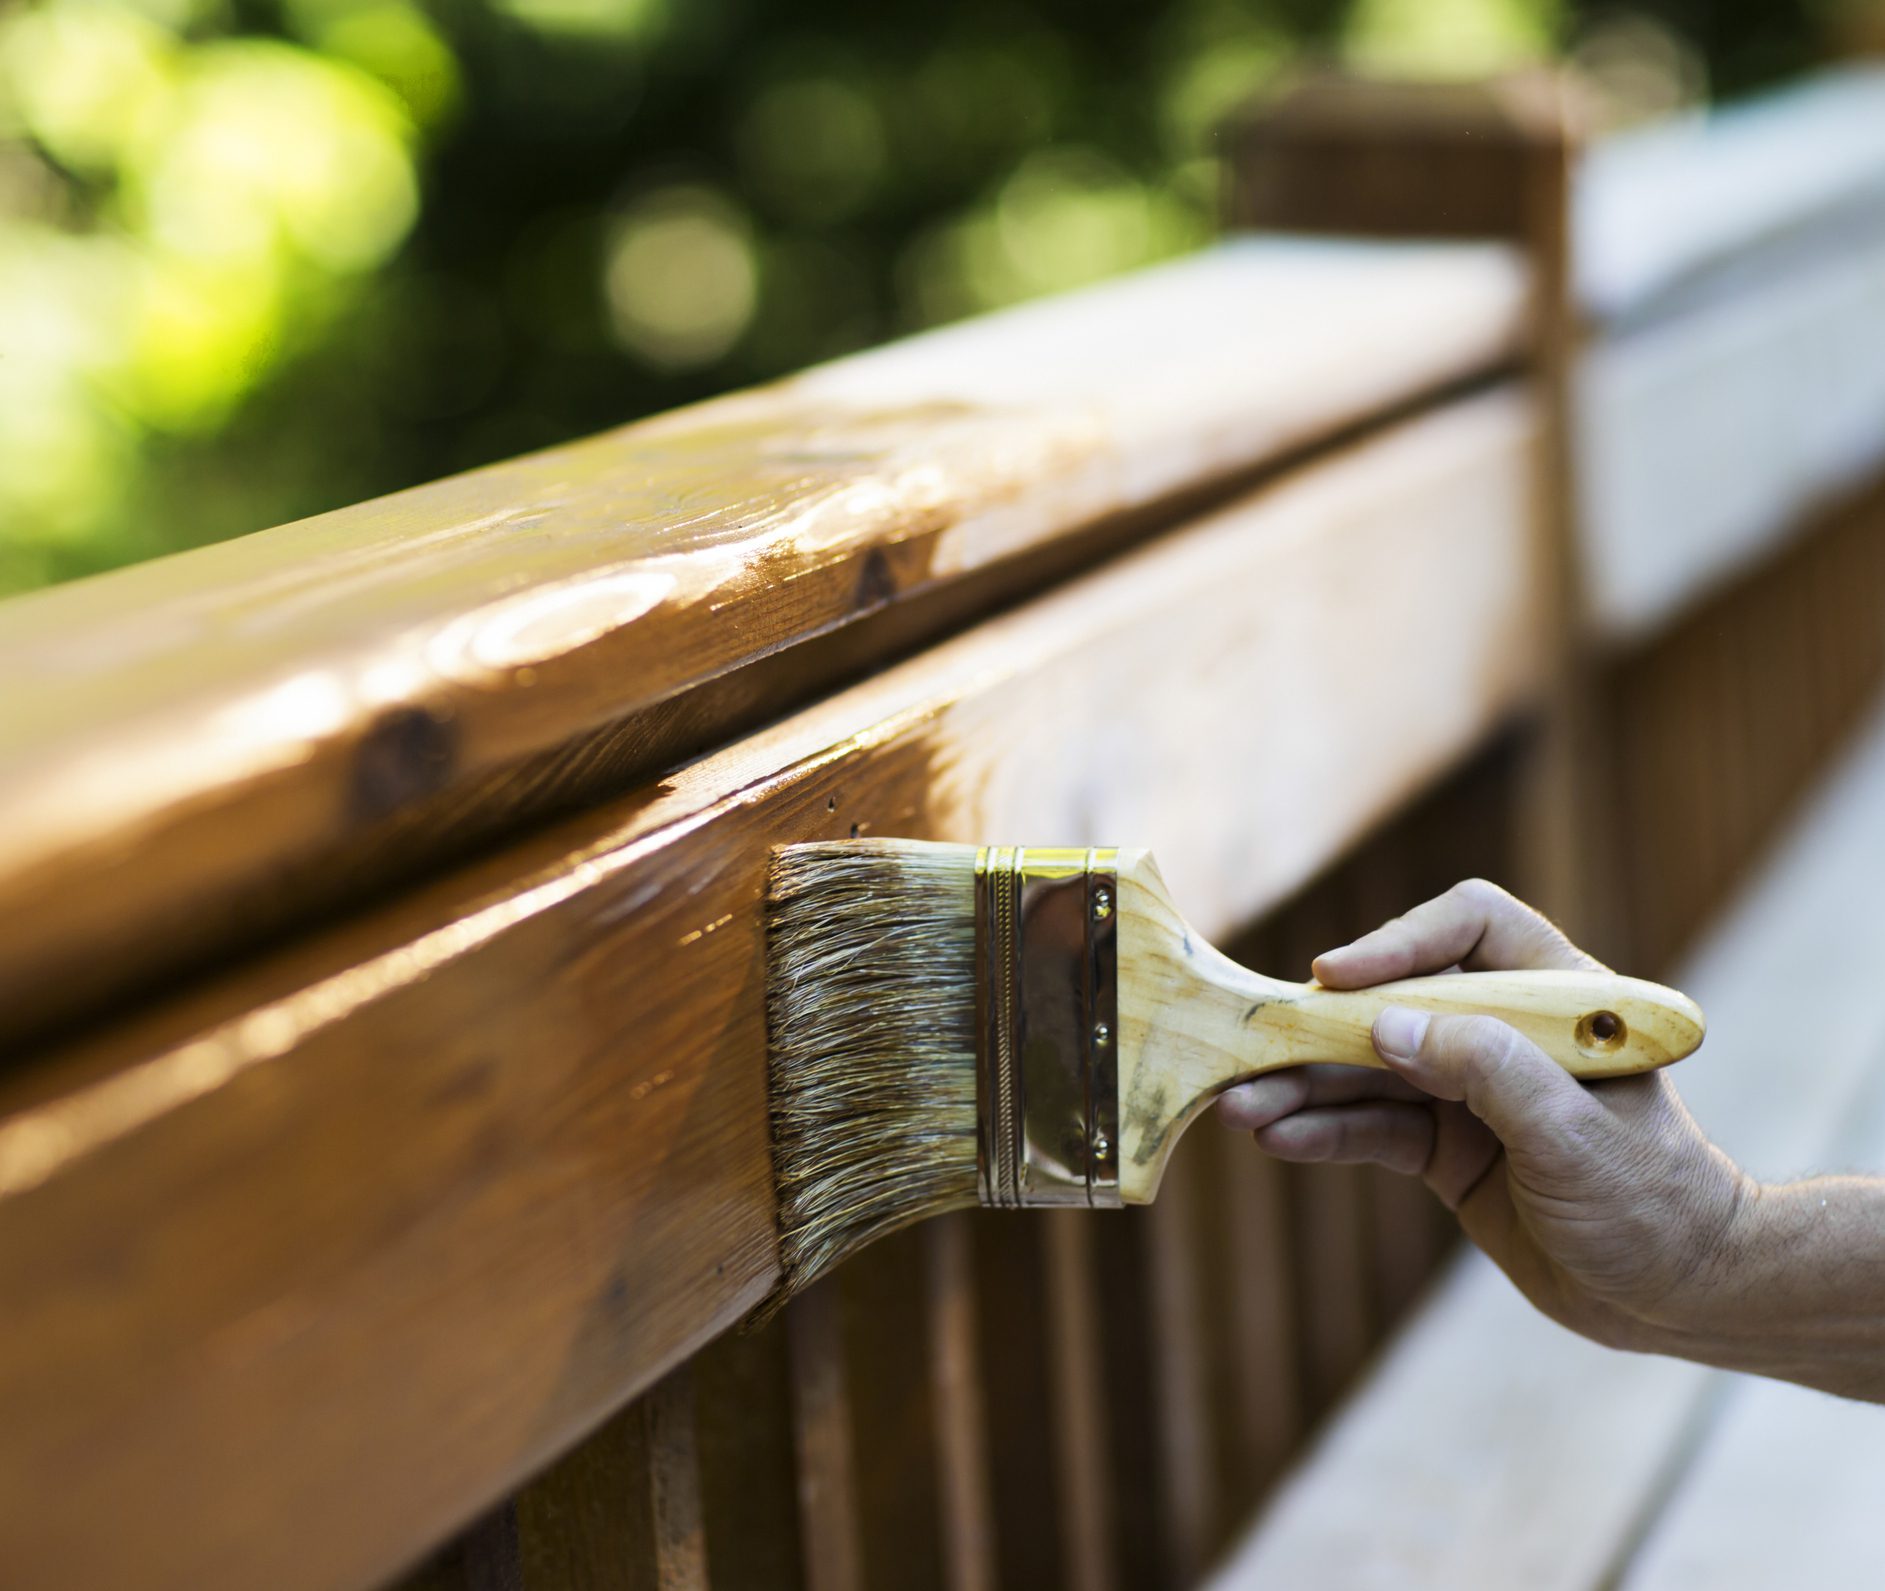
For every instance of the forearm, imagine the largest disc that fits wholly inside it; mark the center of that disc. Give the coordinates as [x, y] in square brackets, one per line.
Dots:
[1796, 1290]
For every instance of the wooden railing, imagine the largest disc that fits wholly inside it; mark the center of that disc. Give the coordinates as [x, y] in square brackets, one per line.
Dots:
[382, 953]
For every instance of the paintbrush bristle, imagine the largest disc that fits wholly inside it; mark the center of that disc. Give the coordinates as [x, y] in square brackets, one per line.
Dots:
[870, 1010]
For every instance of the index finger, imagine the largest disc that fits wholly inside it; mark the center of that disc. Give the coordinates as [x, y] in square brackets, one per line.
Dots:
[1475, 925]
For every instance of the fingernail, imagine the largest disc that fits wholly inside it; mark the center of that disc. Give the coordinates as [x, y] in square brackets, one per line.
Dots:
[1398, 1032]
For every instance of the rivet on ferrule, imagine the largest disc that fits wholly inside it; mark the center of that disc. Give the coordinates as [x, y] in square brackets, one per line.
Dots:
[1047, 1007]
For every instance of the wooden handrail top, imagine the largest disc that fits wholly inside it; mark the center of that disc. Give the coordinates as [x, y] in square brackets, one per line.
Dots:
[224, 732]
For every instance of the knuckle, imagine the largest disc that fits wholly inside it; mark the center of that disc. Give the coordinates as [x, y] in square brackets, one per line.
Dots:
[1482, 894]
[1483, 1042]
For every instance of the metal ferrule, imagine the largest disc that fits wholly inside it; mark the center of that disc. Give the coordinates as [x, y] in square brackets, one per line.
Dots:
[1047, 1011]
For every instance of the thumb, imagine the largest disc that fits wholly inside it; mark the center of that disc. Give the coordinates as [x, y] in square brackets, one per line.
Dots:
[1504, 1079]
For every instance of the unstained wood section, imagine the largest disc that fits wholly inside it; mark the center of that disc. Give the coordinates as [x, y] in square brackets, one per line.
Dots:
[1706, 442]
[253, 730]
[1665, 207]
[1493, 1448]
[441, 1188]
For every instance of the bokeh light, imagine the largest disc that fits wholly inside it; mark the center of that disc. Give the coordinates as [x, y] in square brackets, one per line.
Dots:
[1449, 38]
[814, 146]
[683, 277]
[265, 258]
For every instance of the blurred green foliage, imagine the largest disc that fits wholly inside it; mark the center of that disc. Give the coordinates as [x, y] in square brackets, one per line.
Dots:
[259, 258]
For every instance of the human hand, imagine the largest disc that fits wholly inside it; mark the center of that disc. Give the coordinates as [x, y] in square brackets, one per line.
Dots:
[1606, 1204]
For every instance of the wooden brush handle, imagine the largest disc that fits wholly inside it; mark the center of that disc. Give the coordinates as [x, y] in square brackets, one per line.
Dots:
[1193, 1023]
[1593, 1024]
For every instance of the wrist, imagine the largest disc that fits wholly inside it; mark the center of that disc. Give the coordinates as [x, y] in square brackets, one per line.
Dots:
[1726, 1243]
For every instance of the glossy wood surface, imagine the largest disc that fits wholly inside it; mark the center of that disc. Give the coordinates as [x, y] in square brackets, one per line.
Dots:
[510, 1135]
[218, 744]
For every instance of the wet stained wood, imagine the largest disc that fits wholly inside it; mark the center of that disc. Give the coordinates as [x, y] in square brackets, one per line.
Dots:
[830, 1534]
[1335, 1326]
[1262, 1418]
[968, 1529]
[1189, 1485]
[1724, 721]
[1013, 1344]
[748, 1463]
[247, 733]
[1121, 1270]
[483, 1557]
[1079, 1425]
[893, 1415]
[442, 1187]
[621, 1511]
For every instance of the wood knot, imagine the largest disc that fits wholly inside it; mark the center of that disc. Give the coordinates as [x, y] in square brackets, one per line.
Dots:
[876, 582]
[409, 753]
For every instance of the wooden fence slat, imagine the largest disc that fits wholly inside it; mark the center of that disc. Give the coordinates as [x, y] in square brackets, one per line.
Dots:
[674, 1485]
[747, 1439]
[968, 1530]
[890, 1391]
[1081, 1436]
[1014, 1343]
[827, 1466]
[488, 1553]
[621, 1511]
[484, 1557]
[1264, 1389]
[1189, 1485]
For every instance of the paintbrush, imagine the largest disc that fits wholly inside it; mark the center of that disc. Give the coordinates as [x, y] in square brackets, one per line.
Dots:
[1025, 1027]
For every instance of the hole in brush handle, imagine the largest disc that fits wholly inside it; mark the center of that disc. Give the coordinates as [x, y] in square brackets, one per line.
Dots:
[1601, 1033]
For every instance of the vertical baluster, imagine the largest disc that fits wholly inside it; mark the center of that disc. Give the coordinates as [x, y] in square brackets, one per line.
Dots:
[1187, 1450]
[1014, 1343]
[829, 1536]
[1079, 1399]
[1334, 1242]
[1263, 1389]
[483, 1557]
[621, 1510]
[743, 1398]
[968, 1528]
[887, 1325]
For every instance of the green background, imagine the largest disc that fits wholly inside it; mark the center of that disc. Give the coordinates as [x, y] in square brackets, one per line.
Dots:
[263, 259]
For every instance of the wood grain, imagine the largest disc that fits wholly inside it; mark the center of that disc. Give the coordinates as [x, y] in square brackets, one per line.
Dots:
[829, 1530]
[1079, 1425]
[894, 1418]
[748, 1462]
[1014, 1345]
[246, 734]
[442, 1187]
[622, 1511]
[964, 1506]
